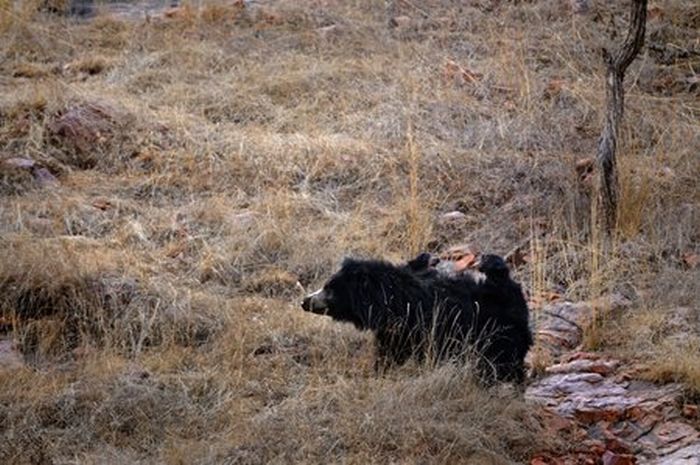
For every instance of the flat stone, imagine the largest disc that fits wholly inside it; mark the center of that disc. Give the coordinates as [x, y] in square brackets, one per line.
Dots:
[44, 177]
[24, 163]
[687, 455]
[602, 367]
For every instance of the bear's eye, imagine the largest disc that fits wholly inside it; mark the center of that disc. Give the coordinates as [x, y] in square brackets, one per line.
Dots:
[327, 293]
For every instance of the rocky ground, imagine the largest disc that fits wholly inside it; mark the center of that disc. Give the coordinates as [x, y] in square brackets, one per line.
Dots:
[598, 402]
[614, 417]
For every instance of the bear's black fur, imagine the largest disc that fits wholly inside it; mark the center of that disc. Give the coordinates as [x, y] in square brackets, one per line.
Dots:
[501, 299]
[414, 310]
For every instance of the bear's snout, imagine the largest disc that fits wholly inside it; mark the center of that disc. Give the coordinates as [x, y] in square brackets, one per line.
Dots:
[306, 303]
[315, 303]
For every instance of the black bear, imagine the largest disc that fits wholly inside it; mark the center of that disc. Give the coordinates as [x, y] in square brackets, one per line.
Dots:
[414, 310]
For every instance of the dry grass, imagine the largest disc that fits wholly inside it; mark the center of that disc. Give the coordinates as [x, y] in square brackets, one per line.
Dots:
[215, 163]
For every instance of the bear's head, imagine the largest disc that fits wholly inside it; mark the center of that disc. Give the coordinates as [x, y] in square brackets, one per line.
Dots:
[365, 292]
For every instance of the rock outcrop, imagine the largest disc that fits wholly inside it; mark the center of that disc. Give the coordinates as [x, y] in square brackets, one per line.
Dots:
[594, 400]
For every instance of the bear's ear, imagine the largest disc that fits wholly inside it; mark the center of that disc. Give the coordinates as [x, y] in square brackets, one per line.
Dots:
[493, 265]
[349, 263]
[422, 262]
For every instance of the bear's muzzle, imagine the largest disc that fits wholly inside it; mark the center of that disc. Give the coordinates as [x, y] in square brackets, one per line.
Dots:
[315, 302]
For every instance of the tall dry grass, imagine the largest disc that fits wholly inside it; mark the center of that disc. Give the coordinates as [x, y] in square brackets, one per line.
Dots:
[214, 164]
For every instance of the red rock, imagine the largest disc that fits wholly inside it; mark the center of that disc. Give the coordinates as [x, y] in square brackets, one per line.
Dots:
[595, 415]
[81, 127]
[563, 339]
[616, 445]
[597, 398]
[602, 367]
[655, 12]
[690, 411]
[691, 260]
[611, 458]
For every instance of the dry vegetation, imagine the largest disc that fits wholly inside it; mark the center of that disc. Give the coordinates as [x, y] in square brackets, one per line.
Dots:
[212, 164]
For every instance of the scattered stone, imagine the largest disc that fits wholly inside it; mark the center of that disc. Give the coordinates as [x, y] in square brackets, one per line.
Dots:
[452, 217]
[691, 260]
[82, 129]
[580, 6]
[328, 32]
[688, 455]
[453, 72]
[40, 174]
[601, 367]
[690, 411]
[554, 88]
[10, 358]
[611, 458]
[44, 177]
[242, 220]
[102, 204]
[584, 170]
[400, 22]
[20, 163]
[655, 12]
[136, 232]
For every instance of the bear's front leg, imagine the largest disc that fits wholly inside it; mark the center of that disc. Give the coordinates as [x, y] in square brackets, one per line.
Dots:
[392, 349]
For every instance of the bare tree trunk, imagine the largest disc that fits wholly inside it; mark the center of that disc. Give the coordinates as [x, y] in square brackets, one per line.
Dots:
[615, 99]
[390, 12]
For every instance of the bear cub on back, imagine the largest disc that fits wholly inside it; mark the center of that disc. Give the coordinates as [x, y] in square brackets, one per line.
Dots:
[416, 311]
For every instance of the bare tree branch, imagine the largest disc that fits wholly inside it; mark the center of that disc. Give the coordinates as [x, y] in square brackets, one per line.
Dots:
[617, 65]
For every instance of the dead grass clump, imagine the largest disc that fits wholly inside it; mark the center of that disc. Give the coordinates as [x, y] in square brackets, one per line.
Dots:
[29, 70]
[109, 33]
[272, 282]
[127, 409]
[17, 113]
[15, 180]
[365, 420]
[89, 65]
[85, 133]
[220, 14]
[678, 365]
[61, 297]
[674, 346]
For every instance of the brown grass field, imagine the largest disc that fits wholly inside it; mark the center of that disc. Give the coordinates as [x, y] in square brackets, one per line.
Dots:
[213, 164]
